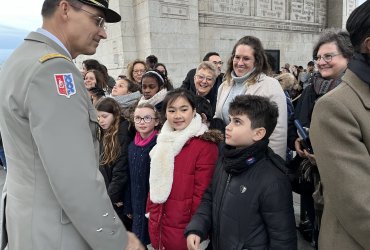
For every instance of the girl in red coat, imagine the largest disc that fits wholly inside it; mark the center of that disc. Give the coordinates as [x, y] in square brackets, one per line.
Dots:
[182, 165]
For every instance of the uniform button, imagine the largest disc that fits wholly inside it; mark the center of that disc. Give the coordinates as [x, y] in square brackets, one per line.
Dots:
[99, 229]
[114, 217]
[111, 233]
[105, 215]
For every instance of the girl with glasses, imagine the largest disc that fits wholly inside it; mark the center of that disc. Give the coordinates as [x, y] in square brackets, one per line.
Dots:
[146, 120]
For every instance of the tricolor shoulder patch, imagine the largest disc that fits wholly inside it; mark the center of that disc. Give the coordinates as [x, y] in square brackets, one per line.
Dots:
[65, 84]
[52, 56]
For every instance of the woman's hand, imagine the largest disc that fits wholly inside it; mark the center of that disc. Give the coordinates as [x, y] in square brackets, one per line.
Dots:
[310, 157]
[298, 148]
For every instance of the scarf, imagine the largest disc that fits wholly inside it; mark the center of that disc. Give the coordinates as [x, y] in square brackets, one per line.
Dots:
[139, 141]
[360, 66]
[169, 144]
[323, 86]
[238, 160]
[241, 79]
[128, 100]
[155, 99]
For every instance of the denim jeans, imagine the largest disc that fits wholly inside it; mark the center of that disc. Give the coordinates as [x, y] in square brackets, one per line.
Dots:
[2, 157]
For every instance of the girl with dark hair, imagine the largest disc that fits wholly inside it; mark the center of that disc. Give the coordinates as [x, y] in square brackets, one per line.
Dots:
[94, 78]
[154, 89]
[182, 165]
[248, 74]
[113, 156]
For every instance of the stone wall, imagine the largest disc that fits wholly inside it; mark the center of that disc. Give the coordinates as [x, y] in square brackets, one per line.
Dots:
[180, 32]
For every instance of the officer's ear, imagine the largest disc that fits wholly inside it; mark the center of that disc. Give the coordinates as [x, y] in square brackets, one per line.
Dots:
[366, 45]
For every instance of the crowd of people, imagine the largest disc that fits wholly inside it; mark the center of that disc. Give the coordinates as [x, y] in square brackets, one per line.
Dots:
[211, 164]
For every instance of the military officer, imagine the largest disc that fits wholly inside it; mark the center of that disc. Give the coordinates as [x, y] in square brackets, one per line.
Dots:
[54, 196]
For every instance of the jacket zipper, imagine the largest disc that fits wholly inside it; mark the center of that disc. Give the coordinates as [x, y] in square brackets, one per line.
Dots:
[219, 210]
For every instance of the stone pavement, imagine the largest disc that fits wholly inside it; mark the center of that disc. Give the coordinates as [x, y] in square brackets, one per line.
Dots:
[302, 244]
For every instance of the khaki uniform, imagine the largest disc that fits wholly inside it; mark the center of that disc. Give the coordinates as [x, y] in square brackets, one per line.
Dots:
[54, 195]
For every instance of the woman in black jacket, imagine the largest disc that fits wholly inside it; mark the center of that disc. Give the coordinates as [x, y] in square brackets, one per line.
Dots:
[113, 157]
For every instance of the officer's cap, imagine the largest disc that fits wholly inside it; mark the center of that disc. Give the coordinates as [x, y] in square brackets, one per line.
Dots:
[110, 15]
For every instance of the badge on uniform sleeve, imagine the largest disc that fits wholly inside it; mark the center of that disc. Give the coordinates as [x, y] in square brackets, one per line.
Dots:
[65, 84]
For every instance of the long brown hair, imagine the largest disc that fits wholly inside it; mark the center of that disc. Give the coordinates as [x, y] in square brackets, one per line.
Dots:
[110, 143]
[261, 62]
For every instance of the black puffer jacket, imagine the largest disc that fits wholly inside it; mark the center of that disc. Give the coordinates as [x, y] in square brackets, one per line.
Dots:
[248, 204]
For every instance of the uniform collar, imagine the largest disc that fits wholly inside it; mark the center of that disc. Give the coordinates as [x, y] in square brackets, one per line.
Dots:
[54, 39]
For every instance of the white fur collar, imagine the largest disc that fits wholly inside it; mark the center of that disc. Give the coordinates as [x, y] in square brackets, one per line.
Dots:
[169, 144]
[155, 99]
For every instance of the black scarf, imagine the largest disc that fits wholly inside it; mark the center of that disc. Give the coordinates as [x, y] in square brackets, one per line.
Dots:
[238, 160]
[360, 66]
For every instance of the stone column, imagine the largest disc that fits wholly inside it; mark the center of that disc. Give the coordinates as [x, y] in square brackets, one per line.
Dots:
[338, 12]
[174, 36]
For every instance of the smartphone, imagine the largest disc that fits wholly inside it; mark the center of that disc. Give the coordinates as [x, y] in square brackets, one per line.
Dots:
[305, 142]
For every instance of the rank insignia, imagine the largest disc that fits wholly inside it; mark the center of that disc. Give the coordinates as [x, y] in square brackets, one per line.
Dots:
[65, 84]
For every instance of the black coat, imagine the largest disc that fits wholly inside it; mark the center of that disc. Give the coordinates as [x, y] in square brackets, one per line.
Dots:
[139, 169]
[116, 174]
[249, 210]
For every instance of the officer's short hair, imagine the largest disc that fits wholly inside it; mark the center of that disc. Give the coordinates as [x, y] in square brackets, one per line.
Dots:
[49, 6]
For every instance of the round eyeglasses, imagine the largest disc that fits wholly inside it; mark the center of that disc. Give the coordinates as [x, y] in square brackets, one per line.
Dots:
[327, 57]
[146, 119]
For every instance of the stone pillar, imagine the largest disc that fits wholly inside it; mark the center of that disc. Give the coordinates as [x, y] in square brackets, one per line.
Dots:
[174, 36]
[338, 12]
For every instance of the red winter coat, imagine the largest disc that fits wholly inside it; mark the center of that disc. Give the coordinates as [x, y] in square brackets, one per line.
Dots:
[193, 170]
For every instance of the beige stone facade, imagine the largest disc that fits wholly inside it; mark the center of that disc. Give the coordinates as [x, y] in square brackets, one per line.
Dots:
[180, 32]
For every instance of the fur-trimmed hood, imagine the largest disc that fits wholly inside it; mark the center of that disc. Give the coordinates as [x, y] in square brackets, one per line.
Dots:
[213, 135]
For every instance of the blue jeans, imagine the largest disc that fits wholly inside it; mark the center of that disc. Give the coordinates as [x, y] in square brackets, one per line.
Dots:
[2, 157]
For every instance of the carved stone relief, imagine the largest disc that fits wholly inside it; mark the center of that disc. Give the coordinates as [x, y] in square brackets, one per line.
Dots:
[178, 9]
[271, 9]
[304, 15]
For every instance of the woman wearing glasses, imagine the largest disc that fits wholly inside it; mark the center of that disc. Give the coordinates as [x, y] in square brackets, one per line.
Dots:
[204, 79]
[136, 70]
[331, 54]
[114, 142]
[247, 74]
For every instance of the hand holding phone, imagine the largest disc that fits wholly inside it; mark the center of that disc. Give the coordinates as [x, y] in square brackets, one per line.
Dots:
[305, 142]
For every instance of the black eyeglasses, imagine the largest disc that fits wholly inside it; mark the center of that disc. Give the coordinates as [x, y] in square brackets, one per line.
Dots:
[100, 22]
[218, 63]
[327, 57]
[146, 119]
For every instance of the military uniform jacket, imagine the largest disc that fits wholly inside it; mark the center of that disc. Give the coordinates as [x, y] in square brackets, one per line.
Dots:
[54, 196]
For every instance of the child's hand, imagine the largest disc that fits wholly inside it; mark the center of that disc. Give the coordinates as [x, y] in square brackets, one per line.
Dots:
[193, 242]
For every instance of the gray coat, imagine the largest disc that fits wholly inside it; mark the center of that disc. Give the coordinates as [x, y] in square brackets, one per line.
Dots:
[54, 195]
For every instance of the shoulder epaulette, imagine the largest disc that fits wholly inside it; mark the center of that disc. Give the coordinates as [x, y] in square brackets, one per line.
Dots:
[53, 55]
